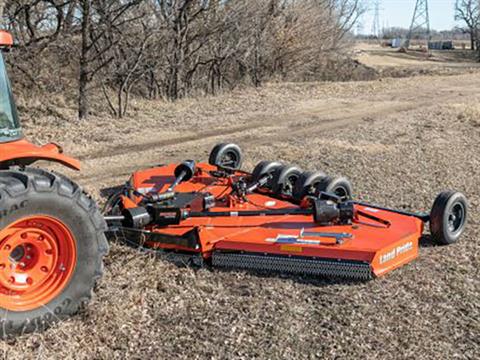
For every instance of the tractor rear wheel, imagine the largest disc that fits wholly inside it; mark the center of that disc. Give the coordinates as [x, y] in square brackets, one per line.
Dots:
[52, 245]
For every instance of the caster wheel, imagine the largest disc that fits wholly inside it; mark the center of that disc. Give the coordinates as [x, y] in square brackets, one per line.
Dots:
[284, 179]
[448, 217]
[307, 183]
[265, 168]
[339, 186]
[226, 156]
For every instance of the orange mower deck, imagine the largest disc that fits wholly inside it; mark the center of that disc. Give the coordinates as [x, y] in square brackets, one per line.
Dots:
[364, 249]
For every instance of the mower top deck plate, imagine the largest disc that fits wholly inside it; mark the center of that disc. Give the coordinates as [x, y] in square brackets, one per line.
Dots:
[384, 247]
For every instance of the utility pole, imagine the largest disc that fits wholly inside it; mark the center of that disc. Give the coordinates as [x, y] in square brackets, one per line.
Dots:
[420, 22]
[376, 30]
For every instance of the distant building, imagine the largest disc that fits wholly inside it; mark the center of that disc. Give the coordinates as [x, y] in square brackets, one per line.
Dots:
[440, 45]
[397, 43]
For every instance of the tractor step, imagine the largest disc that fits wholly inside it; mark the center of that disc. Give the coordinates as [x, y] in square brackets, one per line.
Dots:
[353, 270]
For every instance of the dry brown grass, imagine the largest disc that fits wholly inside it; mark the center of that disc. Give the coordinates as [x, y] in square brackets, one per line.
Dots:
[399, 147]
[469, 114]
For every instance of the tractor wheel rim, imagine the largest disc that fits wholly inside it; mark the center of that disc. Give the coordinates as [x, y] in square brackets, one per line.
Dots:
[37, 259]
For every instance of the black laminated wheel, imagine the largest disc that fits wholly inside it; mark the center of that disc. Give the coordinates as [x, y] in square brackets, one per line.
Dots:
[339, 186]
[448, 217]
[284, 179]
[264, 168]
[307, 184]
[226, 156]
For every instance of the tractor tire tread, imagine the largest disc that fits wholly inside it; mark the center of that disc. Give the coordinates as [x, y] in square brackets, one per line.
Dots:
[16, 182]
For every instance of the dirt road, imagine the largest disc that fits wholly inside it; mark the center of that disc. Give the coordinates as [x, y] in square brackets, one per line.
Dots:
[318, 111]
[400, 141]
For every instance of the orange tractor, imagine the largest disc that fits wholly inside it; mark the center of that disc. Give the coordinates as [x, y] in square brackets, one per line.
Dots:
[276, 218]
[52, 237]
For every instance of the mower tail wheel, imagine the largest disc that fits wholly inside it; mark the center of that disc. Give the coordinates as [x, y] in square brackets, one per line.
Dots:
[339, 186]
[226, 156]
[52, 244]
[284, 179]
[265, 168]
[448, 217]
[307, 184]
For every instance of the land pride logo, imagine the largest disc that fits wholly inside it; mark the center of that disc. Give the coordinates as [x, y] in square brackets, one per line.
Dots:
[392, 254]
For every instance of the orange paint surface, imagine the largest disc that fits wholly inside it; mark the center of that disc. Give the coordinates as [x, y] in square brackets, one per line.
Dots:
[383, 247]
[28, 152]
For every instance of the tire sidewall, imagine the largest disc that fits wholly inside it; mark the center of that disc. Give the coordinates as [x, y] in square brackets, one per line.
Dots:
[218, 151]
[281, 175]
[454, 199]
[306, 180]
[333, 184]
[440, 215]
[77, 219]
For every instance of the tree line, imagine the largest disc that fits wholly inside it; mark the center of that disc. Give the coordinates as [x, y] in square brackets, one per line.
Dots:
[171, 48]
[468, 12]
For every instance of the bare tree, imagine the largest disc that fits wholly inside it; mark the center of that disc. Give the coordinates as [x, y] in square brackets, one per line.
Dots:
[99, 19]
[127, 67]
[173, 48]
[36, 26]
[468, 11]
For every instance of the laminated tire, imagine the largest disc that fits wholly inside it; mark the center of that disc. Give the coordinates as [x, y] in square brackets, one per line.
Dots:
[339, 186]
[226, 156]
[284, 179]
[307, 184]
[448, 217]
[265, 168]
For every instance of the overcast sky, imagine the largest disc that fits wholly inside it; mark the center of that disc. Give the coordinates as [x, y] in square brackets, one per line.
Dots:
[400, 12]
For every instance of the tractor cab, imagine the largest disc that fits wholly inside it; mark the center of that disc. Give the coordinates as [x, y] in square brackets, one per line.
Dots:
[10, 129]
[14, 149]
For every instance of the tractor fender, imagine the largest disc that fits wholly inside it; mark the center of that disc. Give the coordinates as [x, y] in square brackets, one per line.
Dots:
[23, 152]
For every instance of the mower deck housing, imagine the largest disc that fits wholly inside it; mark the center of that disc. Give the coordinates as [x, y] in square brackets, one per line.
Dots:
[293, 243]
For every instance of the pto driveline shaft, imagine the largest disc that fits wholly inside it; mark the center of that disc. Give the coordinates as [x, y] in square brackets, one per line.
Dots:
[272, 212]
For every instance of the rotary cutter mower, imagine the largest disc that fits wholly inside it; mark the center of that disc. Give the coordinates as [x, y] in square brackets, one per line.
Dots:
[277, 218]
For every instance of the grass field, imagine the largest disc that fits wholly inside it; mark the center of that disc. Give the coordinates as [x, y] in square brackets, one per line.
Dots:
[400, 141]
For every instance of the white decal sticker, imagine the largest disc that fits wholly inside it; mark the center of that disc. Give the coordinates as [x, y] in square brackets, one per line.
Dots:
[401, 249]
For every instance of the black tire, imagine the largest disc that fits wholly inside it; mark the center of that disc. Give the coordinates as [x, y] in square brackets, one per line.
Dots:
[226, 156]
[263, 168]
[29, 192]
[448, 217]
[284, 179]
[307, 183]
[339, 186]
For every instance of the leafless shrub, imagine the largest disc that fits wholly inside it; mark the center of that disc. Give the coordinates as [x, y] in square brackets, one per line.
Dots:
[173, 48]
